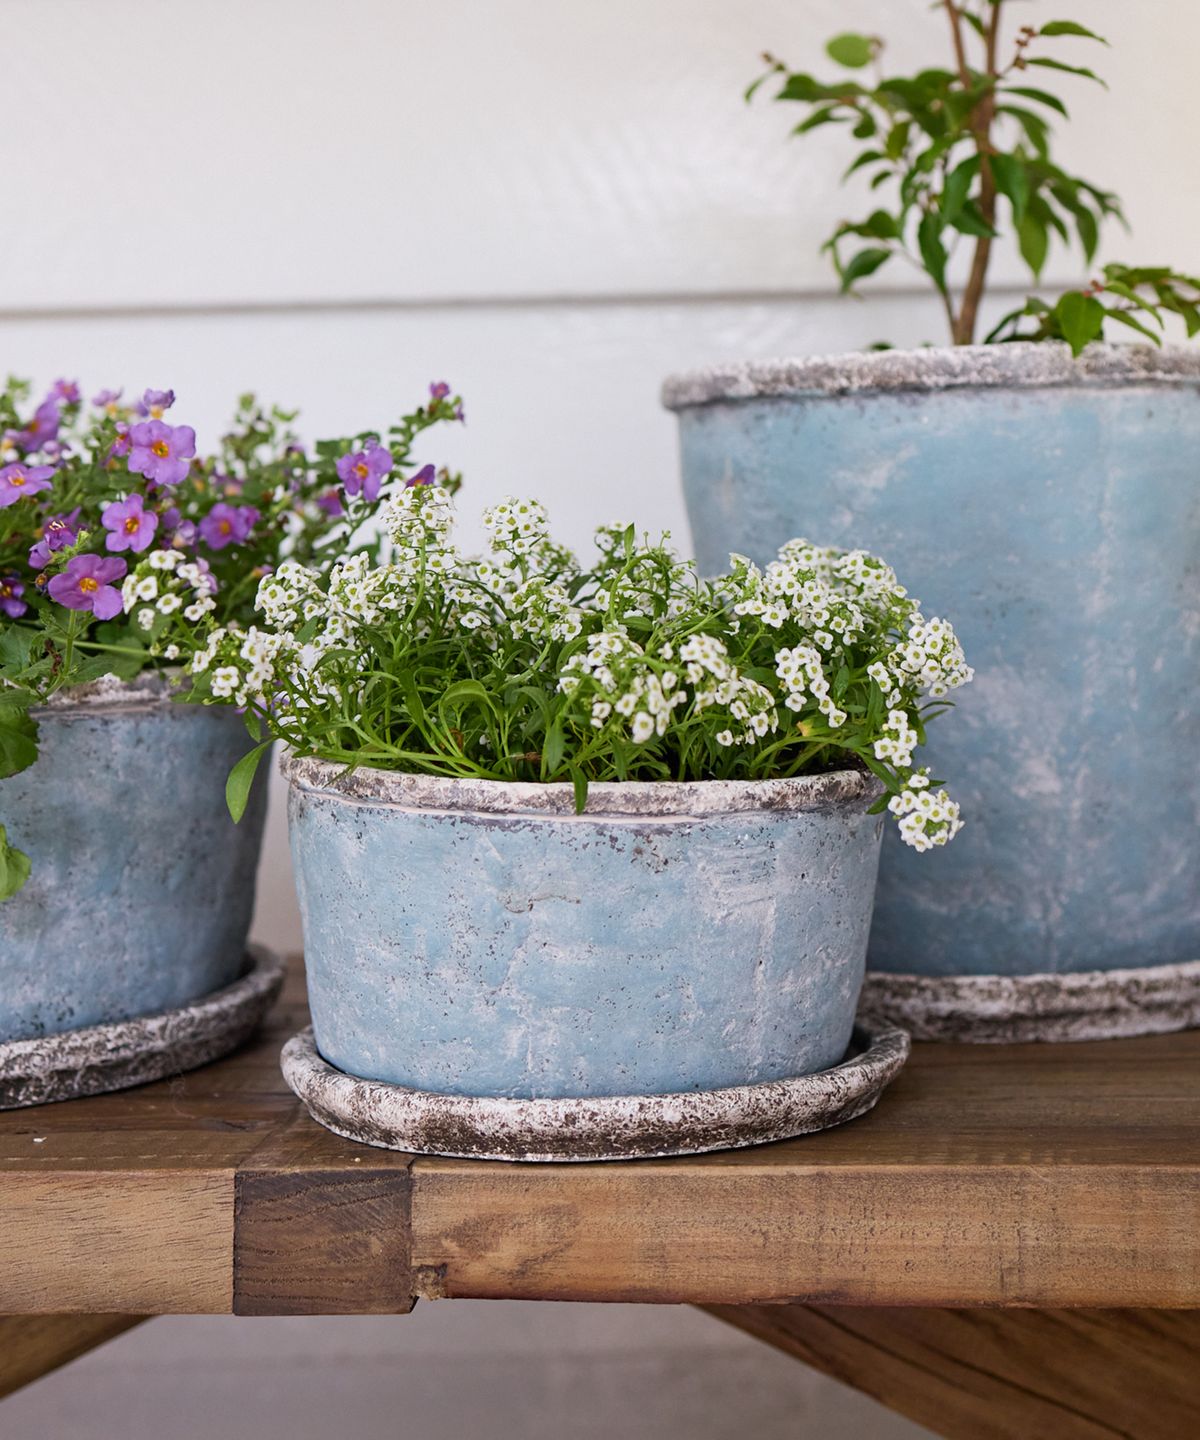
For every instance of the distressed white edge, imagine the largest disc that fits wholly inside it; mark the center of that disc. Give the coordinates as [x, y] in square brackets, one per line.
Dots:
[96, 1059]
[611, 1127]
[1002, 1009]
[151, 690]
[1020, 365]
[405, 790]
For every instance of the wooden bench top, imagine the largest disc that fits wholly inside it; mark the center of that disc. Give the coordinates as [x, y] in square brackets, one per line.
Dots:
[1047, 1176]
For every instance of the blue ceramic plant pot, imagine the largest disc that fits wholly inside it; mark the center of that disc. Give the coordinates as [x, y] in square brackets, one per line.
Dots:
[141, 888]
[477, 938]
[1050, 508]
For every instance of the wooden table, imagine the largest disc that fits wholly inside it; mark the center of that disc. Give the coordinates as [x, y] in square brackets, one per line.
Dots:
[1007, 1247]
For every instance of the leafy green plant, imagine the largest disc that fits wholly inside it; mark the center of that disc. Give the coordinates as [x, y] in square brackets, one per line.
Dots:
[947, 146]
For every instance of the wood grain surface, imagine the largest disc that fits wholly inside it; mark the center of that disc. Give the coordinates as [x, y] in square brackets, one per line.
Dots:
[1004, 1374]
[1042, 1176]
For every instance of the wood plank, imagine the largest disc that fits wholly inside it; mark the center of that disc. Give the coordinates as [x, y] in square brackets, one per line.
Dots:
[151, 1242]
[1004, 1374]
[322, 1227]
[33, 1345]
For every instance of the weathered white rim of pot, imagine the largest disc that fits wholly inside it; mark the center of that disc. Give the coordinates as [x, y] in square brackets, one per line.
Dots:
[837, 790]
[148, 691]
[1085, 1005]
[1024, 365]
[602, 1127]
[95, 1059]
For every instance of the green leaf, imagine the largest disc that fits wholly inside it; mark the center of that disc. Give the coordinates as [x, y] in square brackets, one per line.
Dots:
[1012, 180]
[970, 221]
[827, 115]
[866, 262]
[853, 51]
[579, 781]
[1080, 317]
[865, 158]
[553, 747]
[16, 645]
[1035, 128]
[18, 741]
[1034, 240]
[957, 187]
[1125, 318]
[933, 252]
[1069, 27]
[14, 867]
[1043, 97]
[241, 778]
[1068, 69]
[897, 139]
[1089, 231]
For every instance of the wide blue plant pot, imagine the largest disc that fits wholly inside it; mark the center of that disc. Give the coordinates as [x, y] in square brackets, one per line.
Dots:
[1050, 508]
[475, 938]
[141, 888]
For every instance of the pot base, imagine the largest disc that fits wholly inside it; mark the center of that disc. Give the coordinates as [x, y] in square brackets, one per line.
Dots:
[98, 1058]
[998, 1009]
[601, 1127]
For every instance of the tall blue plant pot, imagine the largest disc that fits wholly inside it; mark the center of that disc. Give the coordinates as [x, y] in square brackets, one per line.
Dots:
[1050, 508]
[141, 888]
[475, 938]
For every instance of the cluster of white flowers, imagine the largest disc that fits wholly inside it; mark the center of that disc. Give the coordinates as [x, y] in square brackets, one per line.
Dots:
[652, 656]
[925, 819]
[163, 587]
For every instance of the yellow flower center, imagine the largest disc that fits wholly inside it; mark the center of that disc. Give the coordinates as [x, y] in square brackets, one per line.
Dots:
[87, 585]
[17, 479]
[361, 471]
[224, 527]
[131, 525]
[157, 412]
[161, 449]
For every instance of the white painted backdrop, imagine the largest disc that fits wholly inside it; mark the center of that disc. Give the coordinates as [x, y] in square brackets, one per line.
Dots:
[552, 206]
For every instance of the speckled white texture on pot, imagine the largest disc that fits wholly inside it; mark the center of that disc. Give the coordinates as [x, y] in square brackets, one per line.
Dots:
[613, 1127]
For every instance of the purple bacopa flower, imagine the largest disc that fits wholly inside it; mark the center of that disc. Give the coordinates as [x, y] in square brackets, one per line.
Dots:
[11, 591]
[129, 524]
[224, 525]
[18, 480]
[107, 400]
[363, 471]
[155, 403]
[439, 390]
[424, 476]
[331, 503]
[161, 453]
[176, 529]
[57, 533]
[87, 584]
[122, 445]
[66, 391]
[42, 428]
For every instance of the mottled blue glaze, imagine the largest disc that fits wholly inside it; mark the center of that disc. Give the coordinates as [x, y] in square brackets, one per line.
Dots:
[532, 955]
[1057, 526]
[142, 887]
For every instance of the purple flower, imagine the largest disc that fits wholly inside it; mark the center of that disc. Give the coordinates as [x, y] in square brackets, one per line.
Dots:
[331, 503]
[130, 525]
[18, 480]
[86, 584]
[58, 532]
[161, 452]
[66, 391]
[43, 426]
[11, 591]
[363, 471]
[176, 529]
[223, 525]
[107, 400]
[155, 403]
[424, 476]
[438, 390]
[122, 445]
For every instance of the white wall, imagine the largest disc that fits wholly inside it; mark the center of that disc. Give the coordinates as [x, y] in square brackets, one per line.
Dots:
[551, 205]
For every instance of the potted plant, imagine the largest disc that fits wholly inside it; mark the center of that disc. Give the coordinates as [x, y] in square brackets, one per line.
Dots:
[126, 888]
[573, 836]
[1047, 483]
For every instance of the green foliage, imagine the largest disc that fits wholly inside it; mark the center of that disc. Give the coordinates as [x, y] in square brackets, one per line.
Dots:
[1131, 296]
[962, 152]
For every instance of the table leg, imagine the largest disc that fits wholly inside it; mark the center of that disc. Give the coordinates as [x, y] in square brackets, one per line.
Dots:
[1003, 1374]
[33, 1345]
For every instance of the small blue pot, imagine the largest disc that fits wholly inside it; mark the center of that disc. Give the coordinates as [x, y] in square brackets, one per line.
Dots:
[142, 887]
[476, 938]
[1051, 509]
